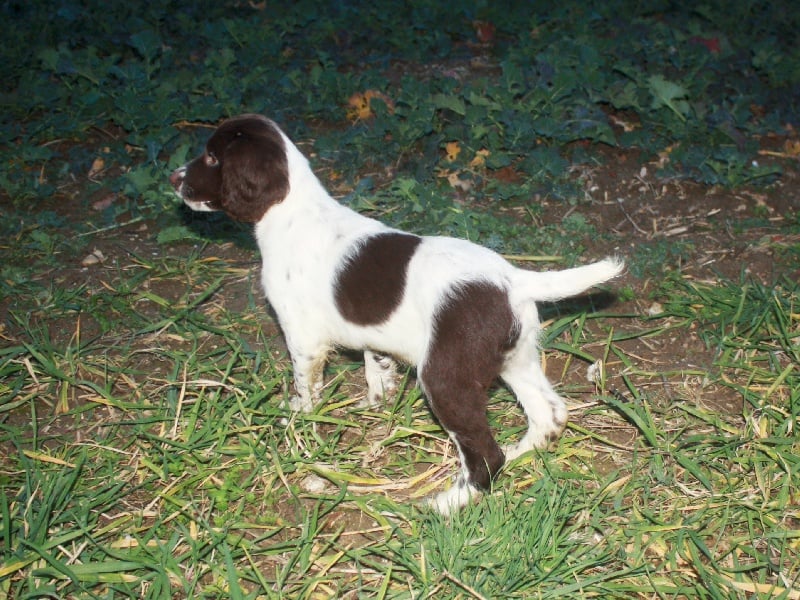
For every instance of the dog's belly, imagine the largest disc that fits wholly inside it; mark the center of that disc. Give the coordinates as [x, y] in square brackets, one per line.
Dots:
[403, 336]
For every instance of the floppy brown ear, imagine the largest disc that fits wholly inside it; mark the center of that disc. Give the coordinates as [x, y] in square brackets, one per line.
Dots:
[255, 175]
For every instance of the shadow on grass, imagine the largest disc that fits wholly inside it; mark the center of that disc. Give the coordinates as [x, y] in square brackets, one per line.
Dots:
[592, 302]
[216, 227]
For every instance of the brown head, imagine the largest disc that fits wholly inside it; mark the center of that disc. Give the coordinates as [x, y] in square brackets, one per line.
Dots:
[242, 171]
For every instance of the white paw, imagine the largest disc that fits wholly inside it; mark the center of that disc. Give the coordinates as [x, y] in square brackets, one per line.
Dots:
[381, 375]
[560, 418]
[514, 451]
[451, 500]
[536, 437]
[377, 397]
[300, 404]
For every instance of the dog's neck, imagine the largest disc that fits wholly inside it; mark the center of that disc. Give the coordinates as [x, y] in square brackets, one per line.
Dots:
[304, 186]
[308, 210]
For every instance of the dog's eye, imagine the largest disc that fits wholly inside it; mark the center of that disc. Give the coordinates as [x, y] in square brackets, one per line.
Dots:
[211, 159]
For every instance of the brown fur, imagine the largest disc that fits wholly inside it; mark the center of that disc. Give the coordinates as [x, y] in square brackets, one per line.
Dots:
[474, 330]
[372, 282]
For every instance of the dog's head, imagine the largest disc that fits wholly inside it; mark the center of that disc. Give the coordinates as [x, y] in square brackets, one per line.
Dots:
[243, 170]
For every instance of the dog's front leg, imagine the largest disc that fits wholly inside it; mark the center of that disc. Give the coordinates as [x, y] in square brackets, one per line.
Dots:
[308, 382]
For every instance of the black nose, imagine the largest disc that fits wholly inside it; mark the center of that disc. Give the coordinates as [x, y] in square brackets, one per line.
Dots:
[176, 178]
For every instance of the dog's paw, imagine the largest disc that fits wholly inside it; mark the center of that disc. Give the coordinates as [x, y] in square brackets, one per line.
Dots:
[451, 500]
[560, 418]
[535, 437]
[514, 451]
[378, 397]
[297, 404]
[382, 379]
[301, 404]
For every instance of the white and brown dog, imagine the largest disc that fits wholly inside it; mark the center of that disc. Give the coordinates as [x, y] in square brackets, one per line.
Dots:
[458, 312]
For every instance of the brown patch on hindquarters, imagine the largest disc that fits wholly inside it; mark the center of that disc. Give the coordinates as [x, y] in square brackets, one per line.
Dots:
[372, 282]
[474, 331]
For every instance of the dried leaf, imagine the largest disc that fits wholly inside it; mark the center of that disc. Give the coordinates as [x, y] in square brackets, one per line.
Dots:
[480, 159]
[792, 147]
[359, 105]
[457, 183]
[98, 164]
[95, 258]
[452, 150]
[104, 202]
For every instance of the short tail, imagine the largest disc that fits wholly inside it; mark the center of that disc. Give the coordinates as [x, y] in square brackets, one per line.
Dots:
[555, 285]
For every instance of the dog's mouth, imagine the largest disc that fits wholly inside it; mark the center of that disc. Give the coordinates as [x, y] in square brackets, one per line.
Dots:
[187, 193]
[196, 204]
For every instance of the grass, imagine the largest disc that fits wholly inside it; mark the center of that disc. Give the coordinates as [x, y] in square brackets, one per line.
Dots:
[146, 445]
[157, 458]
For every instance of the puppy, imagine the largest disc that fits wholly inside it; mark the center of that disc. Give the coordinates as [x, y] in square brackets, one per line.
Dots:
[458, 312]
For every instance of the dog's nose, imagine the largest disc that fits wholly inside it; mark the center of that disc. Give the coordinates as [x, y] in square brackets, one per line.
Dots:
[176, 178]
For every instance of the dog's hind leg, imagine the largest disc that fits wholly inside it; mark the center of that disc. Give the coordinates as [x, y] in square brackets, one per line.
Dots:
[462, 413]
[474, 330]
[544, 408]
[381, 373]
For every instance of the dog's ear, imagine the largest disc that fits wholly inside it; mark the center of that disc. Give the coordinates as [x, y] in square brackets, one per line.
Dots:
[255, 175]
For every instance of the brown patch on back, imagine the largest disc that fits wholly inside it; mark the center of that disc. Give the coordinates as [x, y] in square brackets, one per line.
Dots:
[243, 171]
[474, 331]
[371, 284]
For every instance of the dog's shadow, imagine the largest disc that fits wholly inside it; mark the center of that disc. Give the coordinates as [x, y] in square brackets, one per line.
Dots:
[217, 228]
[585, 303]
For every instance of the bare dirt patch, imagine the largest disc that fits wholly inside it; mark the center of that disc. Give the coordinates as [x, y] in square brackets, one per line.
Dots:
[721, 232]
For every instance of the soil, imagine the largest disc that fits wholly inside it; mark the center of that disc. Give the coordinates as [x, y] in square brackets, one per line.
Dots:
[729, 232]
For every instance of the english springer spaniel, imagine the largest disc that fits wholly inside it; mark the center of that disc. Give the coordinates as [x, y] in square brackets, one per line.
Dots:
[458, 312]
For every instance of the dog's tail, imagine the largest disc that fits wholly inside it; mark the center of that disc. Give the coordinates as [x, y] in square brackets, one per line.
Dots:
[555, 285]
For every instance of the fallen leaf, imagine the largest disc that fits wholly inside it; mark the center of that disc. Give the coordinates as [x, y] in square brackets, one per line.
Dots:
[96, 257]
[792, 147]
[98, 165]
[480, 159]
[626, 125]
[452, 150]
[457, 183]
[663, 156]
[359, 105]
[484, 31]
[507, 175]
[454, 179]
[104, 202]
